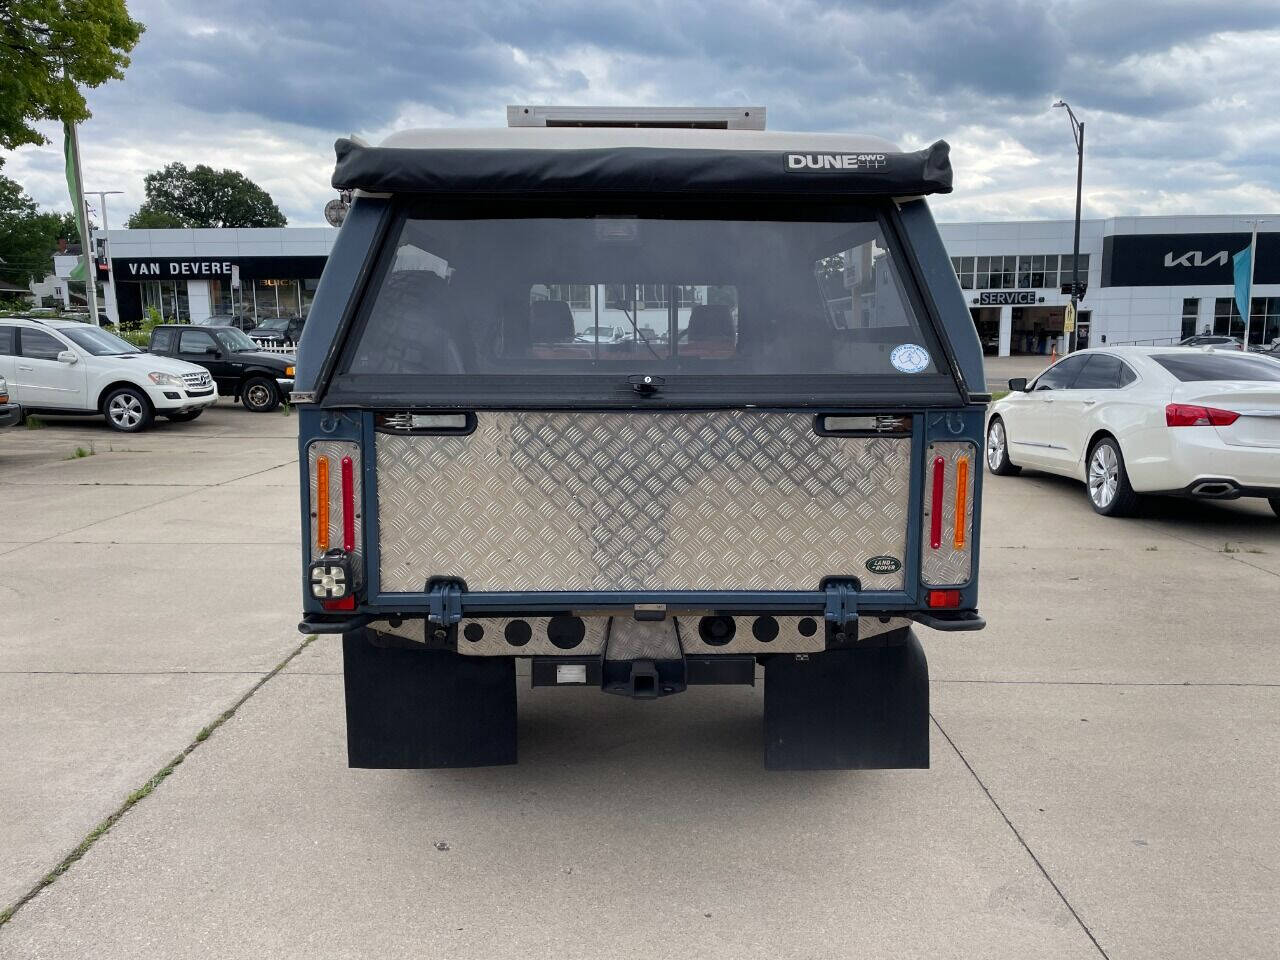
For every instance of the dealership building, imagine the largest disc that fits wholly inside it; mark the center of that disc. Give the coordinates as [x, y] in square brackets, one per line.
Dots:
[1146, 278]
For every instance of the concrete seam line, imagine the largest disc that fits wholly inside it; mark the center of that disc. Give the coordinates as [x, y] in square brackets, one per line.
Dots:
[1009, 823]
[144, 791]
[1110, 683]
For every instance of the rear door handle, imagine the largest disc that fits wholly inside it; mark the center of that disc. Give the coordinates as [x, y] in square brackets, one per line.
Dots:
[1048, 399]
[1090, 403]
[28, 369]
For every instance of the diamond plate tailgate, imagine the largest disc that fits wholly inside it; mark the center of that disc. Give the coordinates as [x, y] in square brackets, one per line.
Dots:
[574, 500]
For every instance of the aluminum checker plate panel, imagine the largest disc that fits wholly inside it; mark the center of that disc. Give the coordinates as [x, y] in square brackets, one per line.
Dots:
[948, 566]
[574, 500]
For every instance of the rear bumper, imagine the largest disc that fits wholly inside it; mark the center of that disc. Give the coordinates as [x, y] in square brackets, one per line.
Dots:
[1177, 464]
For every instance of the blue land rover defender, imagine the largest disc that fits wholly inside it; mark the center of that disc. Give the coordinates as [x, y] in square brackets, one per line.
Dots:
[652, 399]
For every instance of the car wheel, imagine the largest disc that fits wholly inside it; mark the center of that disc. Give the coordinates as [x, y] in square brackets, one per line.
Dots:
[259, 395]
[998, 461]
[128, 410]
[1107, 481]
[186, 416]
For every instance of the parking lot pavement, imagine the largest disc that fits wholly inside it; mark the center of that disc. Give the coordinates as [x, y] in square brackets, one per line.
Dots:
[1103, 779]
[141, 598]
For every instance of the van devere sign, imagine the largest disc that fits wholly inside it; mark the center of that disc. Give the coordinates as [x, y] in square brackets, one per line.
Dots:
[835, 162]
[172, 268]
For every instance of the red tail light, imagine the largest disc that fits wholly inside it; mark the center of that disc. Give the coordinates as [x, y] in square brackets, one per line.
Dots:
[935, 517]
[348, 506]
[943, 599]
[1189, 415]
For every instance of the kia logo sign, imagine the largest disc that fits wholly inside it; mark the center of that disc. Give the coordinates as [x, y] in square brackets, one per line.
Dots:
[1195, 258]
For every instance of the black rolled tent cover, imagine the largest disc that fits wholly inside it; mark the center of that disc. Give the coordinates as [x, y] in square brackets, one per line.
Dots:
[640, 170]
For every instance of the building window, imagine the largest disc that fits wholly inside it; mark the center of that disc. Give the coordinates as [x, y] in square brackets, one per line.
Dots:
[220, 297]
[1024, 272]
[1065, 271]
[308, 295]
[1264, 320]
[169, 298]
[1190, 316]
[1226, 318]
[964, 271]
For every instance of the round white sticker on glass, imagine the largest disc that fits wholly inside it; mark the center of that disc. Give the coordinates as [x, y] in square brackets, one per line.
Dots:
[909, 358]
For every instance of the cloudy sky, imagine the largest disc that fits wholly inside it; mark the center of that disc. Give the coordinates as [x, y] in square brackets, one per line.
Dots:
[1179, 97]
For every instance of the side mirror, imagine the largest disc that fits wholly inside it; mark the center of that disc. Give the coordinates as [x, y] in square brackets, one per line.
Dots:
[68, 356]
[1018, 385]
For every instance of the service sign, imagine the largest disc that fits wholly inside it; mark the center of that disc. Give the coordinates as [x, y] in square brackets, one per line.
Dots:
[1002, 298]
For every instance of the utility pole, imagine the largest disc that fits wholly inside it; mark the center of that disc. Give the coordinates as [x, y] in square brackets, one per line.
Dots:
[111, 277]
[1077, 131]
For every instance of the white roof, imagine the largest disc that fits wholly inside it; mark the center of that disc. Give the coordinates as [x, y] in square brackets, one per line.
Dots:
[605, 138]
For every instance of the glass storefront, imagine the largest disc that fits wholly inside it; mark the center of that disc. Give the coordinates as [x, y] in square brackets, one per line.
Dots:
[169, 297]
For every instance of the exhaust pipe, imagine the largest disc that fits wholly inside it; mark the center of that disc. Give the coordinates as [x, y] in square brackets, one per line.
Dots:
[1216, 489]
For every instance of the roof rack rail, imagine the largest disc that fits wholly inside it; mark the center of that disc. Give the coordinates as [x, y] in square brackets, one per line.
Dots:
[687, 118]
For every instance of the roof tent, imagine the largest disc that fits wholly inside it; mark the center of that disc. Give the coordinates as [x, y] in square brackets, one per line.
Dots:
[676, 151]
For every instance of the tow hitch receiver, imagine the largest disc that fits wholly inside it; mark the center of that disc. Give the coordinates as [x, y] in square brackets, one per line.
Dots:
[643, 659]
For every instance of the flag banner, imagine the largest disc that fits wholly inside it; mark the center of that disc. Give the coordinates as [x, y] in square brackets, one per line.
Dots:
[1241, 262]
[77, 198]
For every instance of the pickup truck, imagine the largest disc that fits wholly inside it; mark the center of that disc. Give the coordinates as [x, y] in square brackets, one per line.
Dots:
[241, 369]
[779, 482]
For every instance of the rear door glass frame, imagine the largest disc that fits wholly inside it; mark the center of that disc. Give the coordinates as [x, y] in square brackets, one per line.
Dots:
[608, 390]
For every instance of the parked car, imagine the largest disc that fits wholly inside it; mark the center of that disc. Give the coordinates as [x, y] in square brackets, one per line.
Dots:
[602, 334]
[1221, 341]
[257, 378]
[278, 330]
[1136, 420]
[75, 369]
[10, 413]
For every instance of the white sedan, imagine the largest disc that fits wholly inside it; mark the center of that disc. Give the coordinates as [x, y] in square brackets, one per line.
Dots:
[1185, 421]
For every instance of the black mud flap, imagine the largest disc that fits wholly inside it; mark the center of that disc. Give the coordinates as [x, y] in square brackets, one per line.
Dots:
[848, 709]
[425, 709]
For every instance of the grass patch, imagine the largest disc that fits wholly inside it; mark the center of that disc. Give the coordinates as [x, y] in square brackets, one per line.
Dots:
[145, 790]
[79, 453]
[35, 423]
[998, 395]
[1228, 548]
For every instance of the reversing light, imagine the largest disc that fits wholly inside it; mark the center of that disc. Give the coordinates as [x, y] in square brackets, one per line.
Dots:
[1190, 415]
[935, 519]
[962, 493]
[322, 503]
[943, 599]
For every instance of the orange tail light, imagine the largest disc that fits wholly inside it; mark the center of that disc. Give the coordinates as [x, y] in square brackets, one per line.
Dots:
[962, 493]
[322, 503]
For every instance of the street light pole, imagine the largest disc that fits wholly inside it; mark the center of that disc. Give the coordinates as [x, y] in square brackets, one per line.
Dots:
[1077, 131]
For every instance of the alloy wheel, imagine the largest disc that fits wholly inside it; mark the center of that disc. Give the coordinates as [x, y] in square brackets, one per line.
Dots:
[125, 410]
[1104, 475]
[259, 395]
[995, 445]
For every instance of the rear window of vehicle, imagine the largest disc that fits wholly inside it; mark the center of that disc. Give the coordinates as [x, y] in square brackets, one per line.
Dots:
[1191, 367]
[6, 341]
[568, 308]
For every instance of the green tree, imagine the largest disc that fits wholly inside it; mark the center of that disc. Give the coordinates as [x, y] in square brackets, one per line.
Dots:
[49, 49]
[28, 236]
[204, 197]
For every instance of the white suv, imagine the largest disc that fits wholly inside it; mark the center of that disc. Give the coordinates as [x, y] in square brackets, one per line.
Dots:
[65, 367]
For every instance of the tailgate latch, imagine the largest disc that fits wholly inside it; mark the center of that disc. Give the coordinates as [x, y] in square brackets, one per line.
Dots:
[842, 608]
[444, 602]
